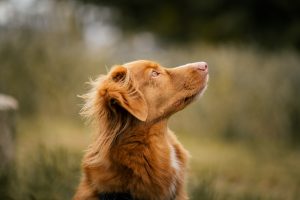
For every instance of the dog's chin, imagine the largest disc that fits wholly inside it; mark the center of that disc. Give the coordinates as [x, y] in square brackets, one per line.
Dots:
[201, 92]
[202, 89]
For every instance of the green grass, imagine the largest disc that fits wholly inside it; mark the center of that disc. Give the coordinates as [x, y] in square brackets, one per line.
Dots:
[45, 174]
[219, 170]
[244, 171]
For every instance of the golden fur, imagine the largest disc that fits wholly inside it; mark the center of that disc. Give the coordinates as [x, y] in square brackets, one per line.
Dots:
[134, 151]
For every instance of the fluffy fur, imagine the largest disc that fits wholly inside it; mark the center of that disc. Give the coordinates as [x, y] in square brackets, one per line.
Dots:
[134, 152]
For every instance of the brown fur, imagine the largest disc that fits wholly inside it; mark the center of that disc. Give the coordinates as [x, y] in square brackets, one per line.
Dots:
[134, 151]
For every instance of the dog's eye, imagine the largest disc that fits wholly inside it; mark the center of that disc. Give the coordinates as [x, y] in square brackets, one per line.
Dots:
[154, 73]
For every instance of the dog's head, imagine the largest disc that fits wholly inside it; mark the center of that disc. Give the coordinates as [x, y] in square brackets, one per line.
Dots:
[146, 91]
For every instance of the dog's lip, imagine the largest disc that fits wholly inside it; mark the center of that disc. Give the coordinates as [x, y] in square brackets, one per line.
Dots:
[194, 95]
[206, 77]
[188, 98]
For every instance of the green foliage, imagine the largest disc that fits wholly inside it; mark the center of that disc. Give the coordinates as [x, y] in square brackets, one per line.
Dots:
[252, 95]
[42, 71]
[272, 24]
[6, 177]
[203, 190]
[46, 174]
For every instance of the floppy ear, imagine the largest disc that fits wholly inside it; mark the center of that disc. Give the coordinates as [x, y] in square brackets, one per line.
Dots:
[124, 93]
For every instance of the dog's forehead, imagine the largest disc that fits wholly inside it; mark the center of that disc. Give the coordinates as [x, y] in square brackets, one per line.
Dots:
[141, 65]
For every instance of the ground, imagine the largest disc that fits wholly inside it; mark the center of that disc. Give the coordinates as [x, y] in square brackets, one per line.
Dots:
[49, 152]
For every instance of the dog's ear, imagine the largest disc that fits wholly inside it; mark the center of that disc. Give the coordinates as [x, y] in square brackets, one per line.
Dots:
[118, 74]
[123, 92]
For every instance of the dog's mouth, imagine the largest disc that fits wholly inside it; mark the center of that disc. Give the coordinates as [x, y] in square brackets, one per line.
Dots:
[192, 94]
[198, 93]
[189, 99]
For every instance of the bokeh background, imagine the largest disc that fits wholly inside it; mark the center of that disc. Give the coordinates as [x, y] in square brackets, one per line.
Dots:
[244, 133]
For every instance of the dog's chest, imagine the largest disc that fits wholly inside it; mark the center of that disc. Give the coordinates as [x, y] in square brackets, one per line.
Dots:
[152, 167]
[174, 163]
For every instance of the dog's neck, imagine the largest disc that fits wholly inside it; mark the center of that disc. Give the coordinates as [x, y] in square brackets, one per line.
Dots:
[143, 131]
[137, 130]
[146, 128]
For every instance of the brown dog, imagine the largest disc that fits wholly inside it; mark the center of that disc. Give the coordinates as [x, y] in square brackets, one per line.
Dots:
[134, 153]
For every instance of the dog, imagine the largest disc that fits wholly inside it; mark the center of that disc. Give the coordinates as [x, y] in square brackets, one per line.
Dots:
[134, 154]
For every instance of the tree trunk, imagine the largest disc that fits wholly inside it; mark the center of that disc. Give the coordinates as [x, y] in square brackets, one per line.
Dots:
[8, 108]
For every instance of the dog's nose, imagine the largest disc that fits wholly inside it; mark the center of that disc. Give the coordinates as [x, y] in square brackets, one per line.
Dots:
[197, 66]
[202, 66]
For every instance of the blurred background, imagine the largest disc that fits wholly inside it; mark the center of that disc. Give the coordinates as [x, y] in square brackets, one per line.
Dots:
[243, 134]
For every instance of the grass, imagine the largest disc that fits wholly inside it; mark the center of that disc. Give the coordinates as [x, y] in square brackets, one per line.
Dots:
[48, 165]
[46, 174]
[244, 171]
